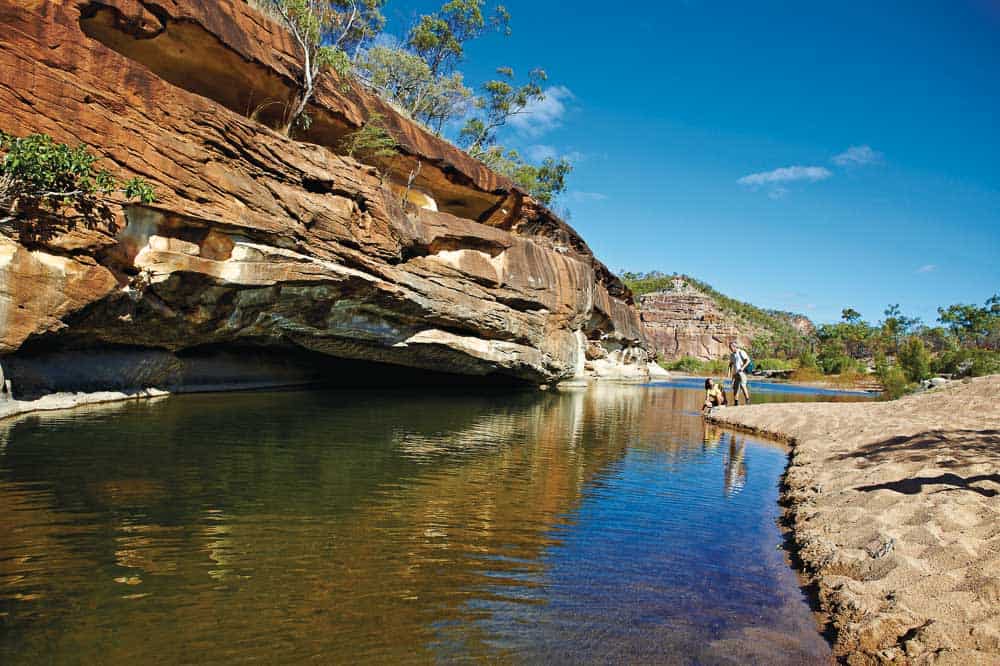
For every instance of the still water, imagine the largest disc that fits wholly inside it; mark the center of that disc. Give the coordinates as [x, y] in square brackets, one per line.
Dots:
[595, 526]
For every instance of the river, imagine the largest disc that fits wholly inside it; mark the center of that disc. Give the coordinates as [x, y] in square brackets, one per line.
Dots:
[585, 526]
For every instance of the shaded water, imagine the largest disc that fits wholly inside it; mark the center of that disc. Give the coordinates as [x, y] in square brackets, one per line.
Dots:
[593, 526]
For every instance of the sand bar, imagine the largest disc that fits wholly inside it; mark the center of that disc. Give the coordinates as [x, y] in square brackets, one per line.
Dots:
[894, 508]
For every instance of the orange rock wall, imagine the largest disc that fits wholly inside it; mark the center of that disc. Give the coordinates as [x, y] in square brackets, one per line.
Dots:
[686, 322]
[262, 239]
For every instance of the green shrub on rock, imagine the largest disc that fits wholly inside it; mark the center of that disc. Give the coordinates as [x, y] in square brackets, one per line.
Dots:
[40, 177]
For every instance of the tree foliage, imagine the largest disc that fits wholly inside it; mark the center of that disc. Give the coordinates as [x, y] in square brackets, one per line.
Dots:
[850, 315]
[543, 182]
[501, 101]
[372, 141]
[39, 176]
[439, 38]
[406, 80]
[419, 75]
[975, 326]
[323, 31]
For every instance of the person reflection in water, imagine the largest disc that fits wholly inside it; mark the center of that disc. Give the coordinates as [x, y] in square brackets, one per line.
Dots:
[735, 467]
[711, 437]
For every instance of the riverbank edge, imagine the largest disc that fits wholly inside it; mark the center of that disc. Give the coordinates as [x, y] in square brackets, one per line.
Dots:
[54, 402]
[66, 400]
[61, 401]
[837, 608]
[794, 498]
[754, 379]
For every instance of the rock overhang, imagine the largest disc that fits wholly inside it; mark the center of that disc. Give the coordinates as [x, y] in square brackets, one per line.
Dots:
[255, 235]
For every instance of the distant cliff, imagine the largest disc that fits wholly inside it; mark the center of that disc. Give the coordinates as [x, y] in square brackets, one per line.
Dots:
[258, 239]
[685, 317]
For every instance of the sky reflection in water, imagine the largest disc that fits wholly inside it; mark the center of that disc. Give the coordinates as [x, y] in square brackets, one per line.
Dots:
[586, 526]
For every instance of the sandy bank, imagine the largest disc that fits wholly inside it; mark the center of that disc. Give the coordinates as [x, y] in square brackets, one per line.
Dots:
[895, 509]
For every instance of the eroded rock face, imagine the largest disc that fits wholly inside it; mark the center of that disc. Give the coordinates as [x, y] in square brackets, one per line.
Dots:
[260, 239]
[686, 322]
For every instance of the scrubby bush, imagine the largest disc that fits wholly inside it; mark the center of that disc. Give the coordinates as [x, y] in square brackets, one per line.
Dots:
[695, 366]
[891, 376]
[893, 381]
[807, 360]
[914, 359]
[371, 141]
[716, 366]
[774, 364]
[684, 364]
[834, 361]
[967, 363]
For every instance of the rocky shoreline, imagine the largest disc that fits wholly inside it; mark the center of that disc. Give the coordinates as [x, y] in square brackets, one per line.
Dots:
[894, 511]
[60, 401]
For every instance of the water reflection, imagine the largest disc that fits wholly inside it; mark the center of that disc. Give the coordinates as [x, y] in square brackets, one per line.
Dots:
[390, 527]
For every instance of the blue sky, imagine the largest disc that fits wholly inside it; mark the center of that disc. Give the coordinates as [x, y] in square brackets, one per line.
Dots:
[794, 156]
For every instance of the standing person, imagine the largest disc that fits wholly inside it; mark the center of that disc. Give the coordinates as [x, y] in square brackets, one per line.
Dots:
[738, 362]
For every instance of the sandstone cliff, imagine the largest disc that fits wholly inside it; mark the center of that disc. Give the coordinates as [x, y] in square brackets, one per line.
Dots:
[684, 321]
[261, 240]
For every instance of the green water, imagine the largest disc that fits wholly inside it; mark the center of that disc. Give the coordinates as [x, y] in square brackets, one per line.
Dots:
[599, 526]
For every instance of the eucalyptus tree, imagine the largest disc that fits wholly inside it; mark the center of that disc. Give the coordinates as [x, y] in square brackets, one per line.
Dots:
[501, 101]
[324, 32]
[439, 38]
[405, 79]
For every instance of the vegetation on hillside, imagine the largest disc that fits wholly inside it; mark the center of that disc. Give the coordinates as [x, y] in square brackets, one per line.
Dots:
[899, 350]
[780, 338]
[903, 350]
[419, 76]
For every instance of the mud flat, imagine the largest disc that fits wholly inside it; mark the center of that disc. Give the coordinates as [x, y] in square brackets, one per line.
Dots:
[894, 508]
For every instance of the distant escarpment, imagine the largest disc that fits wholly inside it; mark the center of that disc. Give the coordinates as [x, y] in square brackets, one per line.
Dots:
[426, 259]
[683, 317]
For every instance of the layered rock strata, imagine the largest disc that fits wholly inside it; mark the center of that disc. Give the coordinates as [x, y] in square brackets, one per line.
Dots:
[259, 239]
[686, 322]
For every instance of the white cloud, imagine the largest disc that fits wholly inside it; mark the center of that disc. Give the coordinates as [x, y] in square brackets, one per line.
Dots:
[539, 152]
[578, 196]
[541, 117]
[790, 174]
[927, 268]
[857, 156]
[777, 193]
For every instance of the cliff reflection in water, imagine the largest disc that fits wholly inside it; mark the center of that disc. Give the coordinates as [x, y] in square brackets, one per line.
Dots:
[391, 527]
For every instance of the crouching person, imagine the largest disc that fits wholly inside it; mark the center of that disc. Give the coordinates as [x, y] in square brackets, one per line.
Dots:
[714, 395]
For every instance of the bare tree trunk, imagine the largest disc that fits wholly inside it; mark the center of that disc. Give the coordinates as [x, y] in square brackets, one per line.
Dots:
[409, 182]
